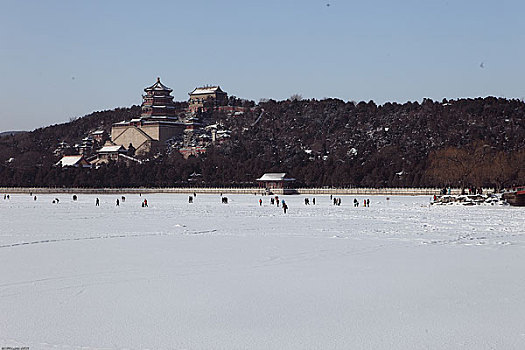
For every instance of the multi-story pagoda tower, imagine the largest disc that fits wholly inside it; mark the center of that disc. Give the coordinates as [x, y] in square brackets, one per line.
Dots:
[157, 124]
[157, 103]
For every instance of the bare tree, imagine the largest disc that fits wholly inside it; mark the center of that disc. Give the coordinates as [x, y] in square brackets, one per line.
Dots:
[296, 97]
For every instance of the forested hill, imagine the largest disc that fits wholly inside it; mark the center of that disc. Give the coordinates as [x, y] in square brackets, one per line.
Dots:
[407, 144]
[466, 142]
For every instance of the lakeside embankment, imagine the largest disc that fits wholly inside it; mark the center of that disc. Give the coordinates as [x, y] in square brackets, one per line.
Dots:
[233, 190]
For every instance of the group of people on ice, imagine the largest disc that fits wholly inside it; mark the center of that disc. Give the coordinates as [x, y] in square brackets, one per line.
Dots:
[366, 202]
[307, 201]
[336, 201]
[278, 202]
[274, 200]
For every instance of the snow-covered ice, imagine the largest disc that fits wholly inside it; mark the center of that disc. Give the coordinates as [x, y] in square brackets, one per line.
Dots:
[400, 274]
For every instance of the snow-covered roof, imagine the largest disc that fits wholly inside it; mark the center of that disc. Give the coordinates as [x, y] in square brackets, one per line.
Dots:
[98, 132]
[274, 177]
[158, 86]
[206, 90]
[162, 106]
[131, 158]
[111, 149]
[70, 160]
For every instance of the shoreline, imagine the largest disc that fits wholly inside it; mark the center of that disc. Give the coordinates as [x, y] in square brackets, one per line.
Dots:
[228, 190]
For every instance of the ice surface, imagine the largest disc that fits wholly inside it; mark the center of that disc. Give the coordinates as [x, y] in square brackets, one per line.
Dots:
[398, 275]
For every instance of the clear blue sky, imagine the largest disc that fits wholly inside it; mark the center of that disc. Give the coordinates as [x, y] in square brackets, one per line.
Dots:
[63, 59]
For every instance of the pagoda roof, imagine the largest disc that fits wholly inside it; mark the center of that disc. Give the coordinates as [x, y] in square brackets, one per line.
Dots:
[275, 177]
[206, 90]
[158, 86]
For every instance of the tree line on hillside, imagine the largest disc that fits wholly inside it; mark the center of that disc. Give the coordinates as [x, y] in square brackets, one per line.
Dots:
[465, 143]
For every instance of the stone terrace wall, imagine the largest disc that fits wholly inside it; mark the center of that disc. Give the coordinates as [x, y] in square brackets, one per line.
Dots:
[232, 190]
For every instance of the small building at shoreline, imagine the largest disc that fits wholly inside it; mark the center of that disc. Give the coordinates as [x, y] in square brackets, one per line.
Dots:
[275, 181]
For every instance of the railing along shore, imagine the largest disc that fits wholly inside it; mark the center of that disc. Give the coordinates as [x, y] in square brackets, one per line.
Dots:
[237, 190]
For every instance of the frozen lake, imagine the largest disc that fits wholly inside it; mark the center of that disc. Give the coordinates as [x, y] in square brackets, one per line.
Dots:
[399, 274]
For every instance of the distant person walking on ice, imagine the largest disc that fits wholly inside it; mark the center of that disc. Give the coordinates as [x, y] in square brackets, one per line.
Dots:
[260, 202]
[285, 207]
[118, 203]
[97, 202]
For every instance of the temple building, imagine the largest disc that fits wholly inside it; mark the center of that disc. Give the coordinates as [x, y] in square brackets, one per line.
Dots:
[275, 181]
[110, 153]
[157, 104]
[203, 98]
[158, 121]
[98, 136]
